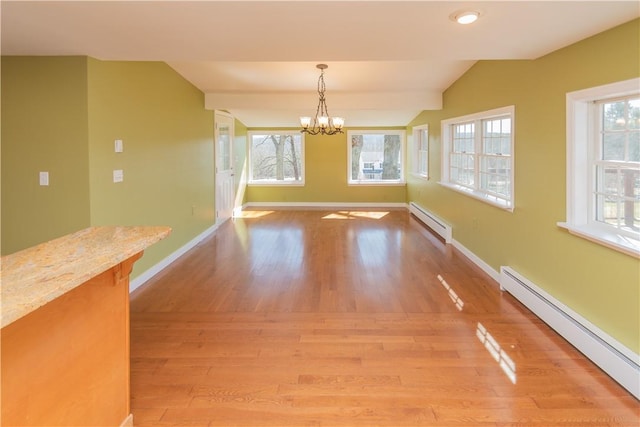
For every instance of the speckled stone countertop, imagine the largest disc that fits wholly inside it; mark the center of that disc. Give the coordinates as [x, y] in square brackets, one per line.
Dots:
[35, 276]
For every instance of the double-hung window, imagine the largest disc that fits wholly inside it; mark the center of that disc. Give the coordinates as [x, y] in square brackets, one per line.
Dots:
[603, 165]
[421, 151]
[617, 164]
[478, 155]
[276, 158]
[375, 157]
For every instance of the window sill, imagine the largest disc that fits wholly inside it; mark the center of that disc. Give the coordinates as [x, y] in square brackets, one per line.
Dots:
[275, 184]
[420, 176]
[378, 183]
[617, 242]
[486, 198]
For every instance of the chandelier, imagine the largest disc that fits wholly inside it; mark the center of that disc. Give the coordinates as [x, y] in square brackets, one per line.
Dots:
[322, 123]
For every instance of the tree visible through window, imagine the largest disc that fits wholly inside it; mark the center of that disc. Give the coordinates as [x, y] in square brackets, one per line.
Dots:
[375, 156]
[276, 158]
[617, 164]
[603, 165]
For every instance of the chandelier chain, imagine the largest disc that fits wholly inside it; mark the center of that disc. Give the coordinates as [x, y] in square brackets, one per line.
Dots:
[323, 123]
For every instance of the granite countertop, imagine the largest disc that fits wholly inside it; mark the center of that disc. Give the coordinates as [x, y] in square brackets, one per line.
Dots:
[35, 276]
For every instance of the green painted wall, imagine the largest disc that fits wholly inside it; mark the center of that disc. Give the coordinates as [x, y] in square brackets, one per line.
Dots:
[167, 158]
[326, 178]
[240, 162]
[62, 115]
[44, 128]
[601, 284]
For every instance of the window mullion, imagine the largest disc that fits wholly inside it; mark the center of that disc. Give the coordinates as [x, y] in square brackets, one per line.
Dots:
[451, 150]
[595, 172]
[477, 139]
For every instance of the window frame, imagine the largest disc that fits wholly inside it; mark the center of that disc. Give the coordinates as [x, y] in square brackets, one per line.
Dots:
[474, 190]
[275, 182]
[420, 142]
[373, 182]
[583, 125]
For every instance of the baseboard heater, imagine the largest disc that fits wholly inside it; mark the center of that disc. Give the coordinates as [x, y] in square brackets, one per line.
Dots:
[431, 221]
[622, 364]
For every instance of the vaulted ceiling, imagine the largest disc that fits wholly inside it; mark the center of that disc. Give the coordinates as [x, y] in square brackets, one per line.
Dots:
[388, 60]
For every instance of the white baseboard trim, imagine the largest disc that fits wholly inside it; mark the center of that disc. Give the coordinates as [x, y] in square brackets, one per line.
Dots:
[148, 274]
[325, 205]
[622, 364]
[476, 260]
[432, 221]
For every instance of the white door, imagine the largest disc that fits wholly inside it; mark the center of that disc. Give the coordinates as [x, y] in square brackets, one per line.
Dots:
[224, 166]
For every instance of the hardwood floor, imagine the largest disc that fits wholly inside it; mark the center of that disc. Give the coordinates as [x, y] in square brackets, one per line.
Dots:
[314, 318]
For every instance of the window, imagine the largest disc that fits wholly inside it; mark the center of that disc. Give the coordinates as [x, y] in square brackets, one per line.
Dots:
[276, 158]
[421, 151]
[603, 165]
[376, 157]
[478, 155]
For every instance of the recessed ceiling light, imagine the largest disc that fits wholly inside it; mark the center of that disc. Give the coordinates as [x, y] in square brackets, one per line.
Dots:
[466, 17]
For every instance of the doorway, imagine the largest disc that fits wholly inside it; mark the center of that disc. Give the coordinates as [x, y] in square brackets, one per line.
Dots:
[224, 134]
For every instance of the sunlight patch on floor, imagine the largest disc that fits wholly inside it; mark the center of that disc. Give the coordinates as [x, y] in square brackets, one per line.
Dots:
[356, 214]
[252, 214]
[452, 294]
[507, 365]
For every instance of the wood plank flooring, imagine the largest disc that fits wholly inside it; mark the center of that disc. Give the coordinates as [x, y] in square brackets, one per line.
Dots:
[319, 318]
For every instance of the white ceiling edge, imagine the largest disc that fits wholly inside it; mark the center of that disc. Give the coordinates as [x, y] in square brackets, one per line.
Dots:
[358, 109]
[269, 119]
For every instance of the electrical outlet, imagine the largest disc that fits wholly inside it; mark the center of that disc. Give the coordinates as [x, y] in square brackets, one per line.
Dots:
[44, 178]
[118, 175]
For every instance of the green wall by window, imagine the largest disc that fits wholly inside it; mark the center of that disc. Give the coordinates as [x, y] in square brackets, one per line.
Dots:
[326, 178]
[240, 162]
[599, 283]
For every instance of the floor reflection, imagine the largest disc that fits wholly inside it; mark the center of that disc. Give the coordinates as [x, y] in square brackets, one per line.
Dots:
[492, 346]
[252, 214]
[377, 247]
[452, 294]
[281, 248]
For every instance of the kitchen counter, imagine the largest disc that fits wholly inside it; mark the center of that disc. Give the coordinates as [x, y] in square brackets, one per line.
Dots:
[65, 328]
[35, 276]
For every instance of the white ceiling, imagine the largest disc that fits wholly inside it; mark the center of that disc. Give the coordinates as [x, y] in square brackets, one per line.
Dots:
[388, 60]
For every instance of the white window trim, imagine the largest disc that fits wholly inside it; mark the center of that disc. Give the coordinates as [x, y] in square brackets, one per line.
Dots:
[415, 167]
[579, 171]
[446, 146]
[384, 183]
[275, 182]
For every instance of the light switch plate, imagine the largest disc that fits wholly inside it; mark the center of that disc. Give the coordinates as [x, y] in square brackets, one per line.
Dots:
[118, 175]
[44, 178]
[119, 146]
